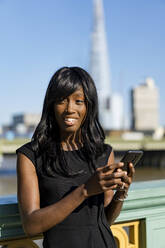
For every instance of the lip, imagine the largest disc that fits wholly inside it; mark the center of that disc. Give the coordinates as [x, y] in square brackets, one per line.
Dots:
[69, 121]
[70, 117]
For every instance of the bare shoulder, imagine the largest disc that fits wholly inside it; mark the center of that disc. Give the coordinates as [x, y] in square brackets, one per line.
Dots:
[28, 189]
[24, 164]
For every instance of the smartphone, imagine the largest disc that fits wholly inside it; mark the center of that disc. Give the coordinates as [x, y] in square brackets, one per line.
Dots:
[131, 157]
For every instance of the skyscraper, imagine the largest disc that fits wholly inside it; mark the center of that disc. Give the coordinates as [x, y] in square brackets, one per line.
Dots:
[99, 51]
[100, 71]
[99, 64]
[145, 106]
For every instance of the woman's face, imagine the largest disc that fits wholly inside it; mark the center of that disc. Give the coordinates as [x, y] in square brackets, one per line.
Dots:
[70, 112]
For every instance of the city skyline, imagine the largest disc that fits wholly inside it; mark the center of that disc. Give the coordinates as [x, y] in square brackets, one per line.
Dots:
[37, 38]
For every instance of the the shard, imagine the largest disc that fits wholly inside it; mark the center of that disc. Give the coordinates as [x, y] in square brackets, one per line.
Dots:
[99, 65]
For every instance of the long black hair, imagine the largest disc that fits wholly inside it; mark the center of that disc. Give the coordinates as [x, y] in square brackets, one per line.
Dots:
[46, 139]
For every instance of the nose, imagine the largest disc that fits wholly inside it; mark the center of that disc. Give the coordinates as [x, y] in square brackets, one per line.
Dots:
[70, 107]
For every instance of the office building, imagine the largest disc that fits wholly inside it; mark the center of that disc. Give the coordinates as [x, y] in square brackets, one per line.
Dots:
[22, 125]
[145, 106]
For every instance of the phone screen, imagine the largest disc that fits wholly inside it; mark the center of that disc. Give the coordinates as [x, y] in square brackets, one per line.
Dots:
[131, 157]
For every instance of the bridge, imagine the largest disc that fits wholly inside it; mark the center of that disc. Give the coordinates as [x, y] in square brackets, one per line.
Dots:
[154, 151]
[141, 223]
[118, 144]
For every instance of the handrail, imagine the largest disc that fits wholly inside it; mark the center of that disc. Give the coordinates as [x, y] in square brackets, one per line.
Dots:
[145, 203]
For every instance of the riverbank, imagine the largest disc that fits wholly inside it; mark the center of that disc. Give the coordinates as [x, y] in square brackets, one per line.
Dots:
[8, 183]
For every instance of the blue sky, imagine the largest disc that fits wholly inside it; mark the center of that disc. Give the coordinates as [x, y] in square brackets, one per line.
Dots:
[37, 37]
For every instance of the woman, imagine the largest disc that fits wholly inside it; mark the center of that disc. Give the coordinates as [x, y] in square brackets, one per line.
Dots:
[66, 174]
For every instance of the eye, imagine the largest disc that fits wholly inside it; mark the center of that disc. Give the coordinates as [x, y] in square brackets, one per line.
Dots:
[61, 101]
[79, 101]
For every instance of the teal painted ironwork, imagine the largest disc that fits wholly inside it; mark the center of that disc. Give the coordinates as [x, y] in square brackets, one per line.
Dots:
[146, 202]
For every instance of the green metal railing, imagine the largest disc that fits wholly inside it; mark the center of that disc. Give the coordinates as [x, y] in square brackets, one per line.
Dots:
[141, 223]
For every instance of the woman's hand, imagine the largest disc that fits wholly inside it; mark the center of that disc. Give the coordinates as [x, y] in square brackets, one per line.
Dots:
[106, 179]
[127, 178]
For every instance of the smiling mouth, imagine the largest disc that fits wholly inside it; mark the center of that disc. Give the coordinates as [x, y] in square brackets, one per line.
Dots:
[70, 121]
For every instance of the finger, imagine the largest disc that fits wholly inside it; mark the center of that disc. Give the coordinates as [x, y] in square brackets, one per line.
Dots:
[126, 179]
[111, 182]
[131, 170]
[108, 168]
[105, 168]
[113, 175]
[99, 169]
[124, 187]
[120, 174]
[112, 167]
[112, 187]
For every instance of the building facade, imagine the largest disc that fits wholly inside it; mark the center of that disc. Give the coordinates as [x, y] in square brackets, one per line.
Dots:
[22, 125]
[145, 106]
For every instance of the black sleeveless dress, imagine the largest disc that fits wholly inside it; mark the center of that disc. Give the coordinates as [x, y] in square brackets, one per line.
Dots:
[86, 226]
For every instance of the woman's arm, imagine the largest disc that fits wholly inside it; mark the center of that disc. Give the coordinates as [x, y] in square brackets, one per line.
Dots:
[36, 220]
[113, 203]
[108, 195]
[112, 211]
[112, 208]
